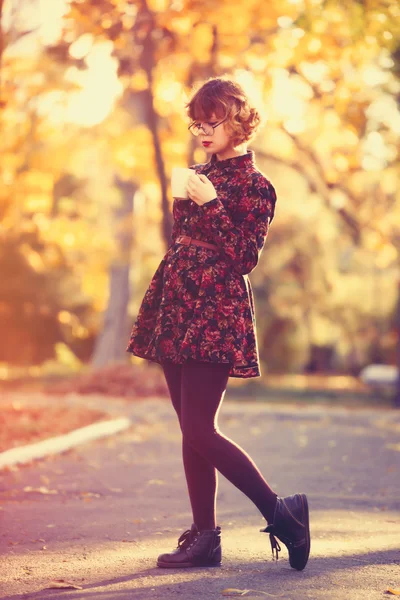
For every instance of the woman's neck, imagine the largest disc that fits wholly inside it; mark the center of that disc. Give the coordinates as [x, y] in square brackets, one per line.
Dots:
[232, 152]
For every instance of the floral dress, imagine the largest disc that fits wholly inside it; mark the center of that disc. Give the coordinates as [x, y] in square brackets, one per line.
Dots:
[199, 304]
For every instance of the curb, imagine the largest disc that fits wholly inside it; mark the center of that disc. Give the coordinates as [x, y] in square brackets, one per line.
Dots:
[60, 443]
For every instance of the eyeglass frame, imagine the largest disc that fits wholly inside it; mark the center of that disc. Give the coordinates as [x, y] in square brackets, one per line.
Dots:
[202, 128]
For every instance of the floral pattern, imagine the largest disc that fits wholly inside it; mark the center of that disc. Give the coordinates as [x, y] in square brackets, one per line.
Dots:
[199, 304]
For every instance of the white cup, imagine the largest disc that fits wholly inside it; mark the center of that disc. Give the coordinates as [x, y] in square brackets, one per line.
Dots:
[179, 180]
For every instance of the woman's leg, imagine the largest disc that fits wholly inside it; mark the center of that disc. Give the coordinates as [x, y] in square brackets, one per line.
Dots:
[201, 475]
[203, 389]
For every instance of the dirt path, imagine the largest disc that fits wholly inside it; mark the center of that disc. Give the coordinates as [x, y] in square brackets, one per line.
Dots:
[99, 515]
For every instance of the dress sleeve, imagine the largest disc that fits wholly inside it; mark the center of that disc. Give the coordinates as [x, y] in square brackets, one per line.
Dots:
[241, 240]
[180, 210]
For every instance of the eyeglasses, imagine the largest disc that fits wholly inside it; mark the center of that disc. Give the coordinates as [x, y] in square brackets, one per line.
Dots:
[208, 128]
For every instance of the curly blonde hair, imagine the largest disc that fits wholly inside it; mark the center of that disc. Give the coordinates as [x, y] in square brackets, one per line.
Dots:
[226, 99]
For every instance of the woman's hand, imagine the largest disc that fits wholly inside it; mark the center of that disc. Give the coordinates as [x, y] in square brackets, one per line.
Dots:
[200, 189]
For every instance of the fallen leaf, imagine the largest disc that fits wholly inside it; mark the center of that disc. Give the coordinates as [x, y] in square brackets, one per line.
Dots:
[392, 591]
[61, 583]
[255, 430]
[94, 465]
[41, 490]
[124, 457]
[393, 447]
[302, 441]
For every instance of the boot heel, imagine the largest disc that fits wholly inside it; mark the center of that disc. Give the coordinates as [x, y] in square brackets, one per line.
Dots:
[291, 525]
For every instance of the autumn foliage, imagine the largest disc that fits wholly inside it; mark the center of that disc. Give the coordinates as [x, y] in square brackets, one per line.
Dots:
[92, 119]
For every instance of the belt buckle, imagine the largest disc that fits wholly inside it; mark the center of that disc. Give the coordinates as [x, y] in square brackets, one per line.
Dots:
[185, 240]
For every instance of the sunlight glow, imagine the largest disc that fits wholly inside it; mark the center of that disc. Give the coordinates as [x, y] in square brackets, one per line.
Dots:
[373, 75]
[69, 239]
[290, 97]
[315, 71]
[252, 85]
[82, 46]
[99, 84]
[100, 87]
[387, 256]
[297, 32]
[385, 110]
[314, 45]
[51, 13]
[284, 21]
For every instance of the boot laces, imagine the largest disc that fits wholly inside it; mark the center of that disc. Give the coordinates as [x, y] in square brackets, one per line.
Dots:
[185, 539]
[274, 542]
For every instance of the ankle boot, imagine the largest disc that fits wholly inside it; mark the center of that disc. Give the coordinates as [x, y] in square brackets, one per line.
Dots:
[291, 526]
[194, 549]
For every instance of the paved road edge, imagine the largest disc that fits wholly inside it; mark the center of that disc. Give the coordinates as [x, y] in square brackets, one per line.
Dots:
[60, 443]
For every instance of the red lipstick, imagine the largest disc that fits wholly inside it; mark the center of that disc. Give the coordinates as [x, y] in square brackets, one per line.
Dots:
[206, 144]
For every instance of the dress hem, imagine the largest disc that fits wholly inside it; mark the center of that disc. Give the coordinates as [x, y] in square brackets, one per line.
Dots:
[160, 361]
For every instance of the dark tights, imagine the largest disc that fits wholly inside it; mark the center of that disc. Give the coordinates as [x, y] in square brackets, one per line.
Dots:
[197, 390]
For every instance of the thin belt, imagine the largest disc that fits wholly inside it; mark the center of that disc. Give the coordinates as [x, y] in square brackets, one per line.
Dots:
[187, 240]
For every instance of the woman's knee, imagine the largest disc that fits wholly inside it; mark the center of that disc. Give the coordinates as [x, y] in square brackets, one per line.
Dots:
[197, 435]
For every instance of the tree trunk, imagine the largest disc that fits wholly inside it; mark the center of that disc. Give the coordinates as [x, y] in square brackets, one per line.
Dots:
[111, 342]
[148, 63]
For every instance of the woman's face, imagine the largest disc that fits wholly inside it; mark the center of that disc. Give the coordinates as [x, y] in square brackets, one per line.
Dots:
[219, 141]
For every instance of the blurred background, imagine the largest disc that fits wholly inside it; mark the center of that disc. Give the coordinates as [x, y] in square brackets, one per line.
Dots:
[92, 122]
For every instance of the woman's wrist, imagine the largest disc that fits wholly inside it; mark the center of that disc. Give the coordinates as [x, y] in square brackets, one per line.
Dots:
[213, 200]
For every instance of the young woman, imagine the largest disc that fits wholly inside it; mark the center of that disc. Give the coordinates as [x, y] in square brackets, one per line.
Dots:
[197, 320]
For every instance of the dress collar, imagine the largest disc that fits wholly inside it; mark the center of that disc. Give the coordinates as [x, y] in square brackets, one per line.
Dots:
[235, 162]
